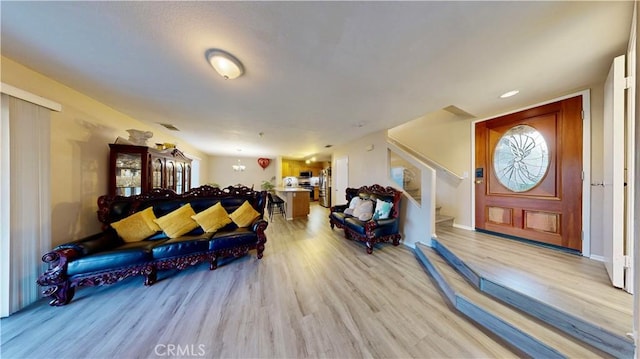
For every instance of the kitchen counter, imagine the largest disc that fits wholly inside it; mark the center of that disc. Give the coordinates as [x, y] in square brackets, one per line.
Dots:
[296, 201]
[291, 189]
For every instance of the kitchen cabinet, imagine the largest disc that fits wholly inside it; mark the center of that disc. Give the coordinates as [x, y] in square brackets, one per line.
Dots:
[286, 168]
[294, 167]
[138, 169]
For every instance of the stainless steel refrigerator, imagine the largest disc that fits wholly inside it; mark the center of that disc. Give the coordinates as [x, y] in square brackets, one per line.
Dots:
[324, 187]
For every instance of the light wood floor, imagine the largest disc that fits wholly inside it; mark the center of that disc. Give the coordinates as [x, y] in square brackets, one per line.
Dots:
[314, 294]
[577, 285]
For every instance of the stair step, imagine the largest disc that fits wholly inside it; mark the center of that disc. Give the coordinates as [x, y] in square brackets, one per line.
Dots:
[443, 220]
[589, 333]
[526, 335]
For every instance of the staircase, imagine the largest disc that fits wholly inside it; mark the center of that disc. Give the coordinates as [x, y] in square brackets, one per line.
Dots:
[528, 326]
[443, 220]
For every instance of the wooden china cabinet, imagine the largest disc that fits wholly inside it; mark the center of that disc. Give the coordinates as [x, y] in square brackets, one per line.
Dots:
[137, 169]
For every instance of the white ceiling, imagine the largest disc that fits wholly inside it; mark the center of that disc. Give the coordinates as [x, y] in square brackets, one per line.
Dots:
[317, 73]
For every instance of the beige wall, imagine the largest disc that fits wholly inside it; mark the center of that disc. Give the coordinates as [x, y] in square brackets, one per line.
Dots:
[441, 135]
[446, 139]
[366, 167]
[80, 135]
[369, 166]
[221, 172]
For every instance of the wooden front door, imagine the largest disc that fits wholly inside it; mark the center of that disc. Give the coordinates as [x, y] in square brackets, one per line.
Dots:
[529, 174]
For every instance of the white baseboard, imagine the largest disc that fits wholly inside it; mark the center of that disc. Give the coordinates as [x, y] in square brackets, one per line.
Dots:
[455, 225]
[597, 258]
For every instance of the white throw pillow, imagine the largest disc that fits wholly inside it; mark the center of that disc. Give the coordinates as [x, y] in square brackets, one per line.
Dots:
[355, 201]
[364, 210]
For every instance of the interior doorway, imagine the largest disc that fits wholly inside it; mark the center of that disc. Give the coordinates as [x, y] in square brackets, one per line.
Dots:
[341, 177]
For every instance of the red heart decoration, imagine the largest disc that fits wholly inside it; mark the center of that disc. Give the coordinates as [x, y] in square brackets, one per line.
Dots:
[264, 162]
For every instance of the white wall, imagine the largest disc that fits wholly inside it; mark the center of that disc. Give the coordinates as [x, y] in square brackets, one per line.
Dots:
[221, 172]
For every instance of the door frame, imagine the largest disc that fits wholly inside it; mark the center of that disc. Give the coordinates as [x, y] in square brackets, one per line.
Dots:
[586, 162]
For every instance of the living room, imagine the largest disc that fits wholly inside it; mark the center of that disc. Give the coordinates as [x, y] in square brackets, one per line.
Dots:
[81, 132]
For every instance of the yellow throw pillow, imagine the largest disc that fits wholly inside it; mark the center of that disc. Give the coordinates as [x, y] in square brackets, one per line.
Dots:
[137, 226]
[178, 222]
[244, 215]
[212, 218]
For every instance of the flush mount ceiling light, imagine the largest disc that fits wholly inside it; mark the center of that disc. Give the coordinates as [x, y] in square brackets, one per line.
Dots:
[224, 63]
[509, 94]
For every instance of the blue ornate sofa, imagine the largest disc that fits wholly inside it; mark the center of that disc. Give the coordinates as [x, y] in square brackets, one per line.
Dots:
[105, 258]
[373, 230]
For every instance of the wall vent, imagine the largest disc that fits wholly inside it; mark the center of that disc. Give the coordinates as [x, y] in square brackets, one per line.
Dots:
[169, 126]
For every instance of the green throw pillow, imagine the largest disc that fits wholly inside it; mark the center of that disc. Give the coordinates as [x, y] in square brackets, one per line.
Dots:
[383, 209]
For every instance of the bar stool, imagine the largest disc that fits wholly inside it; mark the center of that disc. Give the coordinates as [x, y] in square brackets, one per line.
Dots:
[276, 204]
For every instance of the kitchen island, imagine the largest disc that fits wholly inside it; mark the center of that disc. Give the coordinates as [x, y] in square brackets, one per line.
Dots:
[296, 201]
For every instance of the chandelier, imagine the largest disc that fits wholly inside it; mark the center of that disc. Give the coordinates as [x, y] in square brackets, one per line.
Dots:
[239, 167]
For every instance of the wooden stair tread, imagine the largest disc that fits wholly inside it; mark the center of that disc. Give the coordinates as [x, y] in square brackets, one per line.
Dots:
[443, 219]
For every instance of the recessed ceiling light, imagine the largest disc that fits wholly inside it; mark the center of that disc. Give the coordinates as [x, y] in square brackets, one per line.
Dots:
[509, 94]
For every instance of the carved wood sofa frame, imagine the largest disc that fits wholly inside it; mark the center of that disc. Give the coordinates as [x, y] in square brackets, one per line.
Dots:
[372, 231]
[61, 286]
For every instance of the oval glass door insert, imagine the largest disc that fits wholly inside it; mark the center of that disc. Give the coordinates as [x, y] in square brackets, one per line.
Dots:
[521, 158]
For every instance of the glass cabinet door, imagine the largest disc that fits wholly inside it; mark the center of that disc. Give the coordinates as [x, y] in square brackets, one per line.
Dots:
[157, 174]
[171, 175]
[187, 177]
[135, 170]
[128, 174]
[179, 179]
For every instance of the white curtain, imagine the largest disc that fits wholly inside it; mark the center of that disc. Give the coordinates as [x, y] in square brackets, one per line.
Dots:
[25, 204]
[5, 191]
